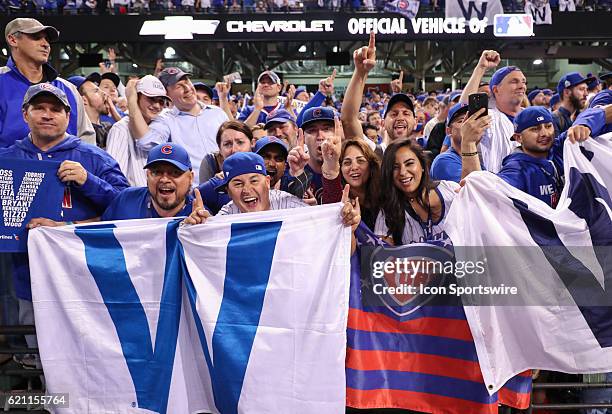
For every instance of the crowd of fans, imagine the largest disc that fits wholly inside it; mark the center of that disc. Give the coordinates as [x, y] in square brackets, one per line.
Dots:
[242, 6]
[165, 146]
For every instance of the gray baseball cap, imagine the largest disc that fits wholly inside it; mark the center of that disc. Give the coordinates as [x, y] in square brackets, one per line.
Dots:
[45, 89]
[28, 25]
[170, 76]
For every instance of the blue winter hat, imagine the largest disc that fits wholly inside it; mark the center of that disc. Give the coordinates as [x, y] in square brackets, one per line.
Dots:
[531, 116]
[171, 153]
[241, 163]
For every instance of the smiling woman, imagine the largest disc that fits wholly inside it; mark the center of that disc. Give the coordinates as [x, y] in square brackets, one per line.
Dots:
[414, 207]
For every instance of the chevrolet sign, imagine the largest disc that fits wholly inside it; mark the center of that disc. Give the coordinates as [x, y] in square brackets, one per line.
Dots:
[275, 26]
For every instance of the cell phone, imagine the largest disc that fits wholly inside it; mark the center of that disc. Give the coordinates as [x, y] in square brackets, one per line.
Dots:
[107, 63]
[476, 101]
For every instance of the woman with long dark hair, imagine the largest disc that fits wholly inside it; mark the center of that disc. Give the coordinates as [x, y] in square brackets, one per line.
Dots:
[359, 167]
[414, 207]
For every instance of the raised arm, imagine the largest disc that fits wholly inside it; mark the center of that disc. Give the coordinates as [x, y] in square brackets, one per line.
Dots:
[489, 59]
[365, 60]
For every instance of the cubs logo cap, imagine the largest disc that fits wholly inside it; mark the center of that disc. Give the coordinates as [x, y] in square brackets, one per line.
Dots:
[531, 116]
[171, 76]
[238, 164]
[318, 113]
[171, 153]
[45, 89]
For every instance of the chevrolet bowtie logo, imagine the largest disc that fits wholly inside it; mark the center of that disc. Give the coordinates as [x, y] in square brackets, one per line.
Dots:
[179, 27]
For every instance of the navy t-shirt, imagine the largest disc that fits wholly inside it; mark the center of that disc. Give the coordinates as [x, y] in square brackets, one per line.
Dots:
[135, 203]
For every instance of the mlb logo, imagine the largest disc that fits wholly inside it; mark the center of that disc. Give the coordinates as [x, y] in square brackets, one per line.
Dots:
[258, 168]
[540, 118]
[513, 25]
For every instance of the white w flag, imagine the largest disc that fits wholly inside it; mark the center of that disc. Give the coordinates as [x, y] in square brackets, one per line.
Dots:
[474, 9]
[559, 259]
[114, 310]
[540, 10]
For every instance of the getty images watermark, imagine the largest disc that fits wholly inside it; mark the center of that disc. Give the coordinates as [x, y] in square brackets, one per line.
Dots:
[423, 274]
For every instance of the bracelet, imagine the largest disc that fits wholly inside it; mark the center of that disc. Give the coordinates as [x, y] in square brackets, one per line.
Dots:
[469, 154]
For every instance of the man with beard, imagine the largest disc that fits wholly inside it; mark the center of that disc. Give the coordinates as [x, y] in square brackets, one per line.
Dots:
[150, 96]
[573, 91]
[537, 98]
[508, 86]
[399, 118]
[536, 166]
[169, 179]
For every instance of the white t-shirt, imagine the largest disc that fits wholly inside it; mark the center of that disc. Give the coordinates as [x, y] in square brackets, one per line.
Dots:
[495, 144]
[414, 230]
[279, 200]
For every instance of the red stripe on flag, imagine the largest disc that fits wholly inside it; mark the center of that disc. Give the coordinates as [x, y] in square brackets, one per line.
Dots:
[412, 362]
[513, 399]
[429, 403]
[442, 327]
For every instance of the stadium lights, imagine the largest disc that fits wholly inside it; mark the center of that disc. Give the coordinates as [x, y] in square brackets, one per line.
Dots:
[537, 62]
[134, 65]
[169, 53]
[302, 49]
[438, 79]
[335, 49]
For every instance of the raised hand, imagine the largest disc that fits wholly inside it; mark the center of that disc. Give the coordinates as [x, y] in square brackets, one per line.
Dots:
[298, 158]
[351, 211]
[290, 96]
[130, 89]
[396, 85]
[365, 57]
[223, 89]
[199, 214]
[258, 100]
[489, 59]
[326, 86]
[330, 149]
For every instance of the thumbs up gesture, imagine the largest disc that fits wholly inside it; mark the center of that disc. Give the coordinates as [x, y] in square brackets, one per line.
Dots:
[351, 211]
[199, 214]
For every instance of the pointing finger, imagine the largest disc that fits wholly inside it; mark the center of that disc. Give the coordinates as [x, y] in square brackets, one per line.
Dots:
[333, 75]
[300, 140]
[345, 193]
[401, 77]
[198, 204]
[372, 43]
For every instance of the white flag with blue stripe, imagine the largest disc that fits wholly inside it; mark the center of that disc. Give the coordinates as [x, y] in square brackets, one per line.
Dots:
[123, 328]
[566, 253]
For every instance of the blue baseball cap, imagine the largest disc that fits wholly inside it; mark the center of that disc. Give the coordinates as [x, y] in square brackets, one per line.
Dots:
[267, 141]
[601, 99]
[171, 153]
[241, 163]
[605, 76]
[78, 81]
[531, 116]
[570, 80]
[548, 92]
[500, 74]
[318, 113]
[399, 97]
[592, 84]
[455, 111]
[453, 96]
[45, 89]
[554, 100]
[280, 115]
[421, 98]
[531, 95]
[204, 87]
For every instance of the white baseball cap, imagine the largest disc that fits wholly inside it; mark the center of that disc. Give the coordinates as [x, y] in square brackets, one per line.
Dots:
[151, 86]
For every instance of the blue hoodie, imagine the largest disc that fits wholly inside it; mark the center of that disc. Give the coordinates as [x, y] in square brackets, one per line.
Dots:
[539, 177]
[13, 86]
[104, 181]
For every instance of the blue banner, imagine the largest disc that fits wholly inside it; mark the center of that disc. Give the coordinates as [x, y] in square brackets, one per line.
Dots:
[28, 189]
